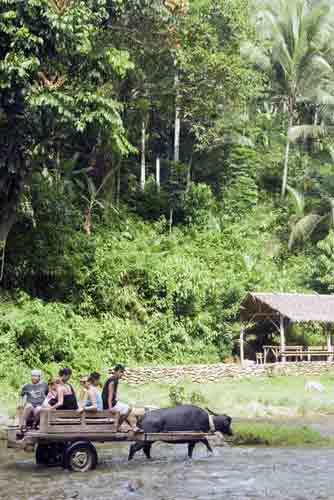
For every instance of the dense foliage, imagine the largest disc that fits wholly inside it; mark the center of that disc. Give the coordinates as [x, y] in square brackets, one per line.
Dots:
[158, 160]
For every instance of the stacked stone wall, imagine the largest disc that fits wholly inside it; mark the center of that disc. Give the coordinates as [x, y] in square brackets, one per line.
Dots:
[219, 371]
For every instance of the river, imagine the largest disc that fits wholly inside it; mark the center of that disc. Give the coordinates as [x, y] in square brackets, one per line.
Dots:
[229, 474]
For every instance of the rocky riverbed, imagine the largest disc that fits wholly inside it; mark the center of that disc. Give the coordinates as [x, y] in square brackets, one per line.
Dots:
[246, 473]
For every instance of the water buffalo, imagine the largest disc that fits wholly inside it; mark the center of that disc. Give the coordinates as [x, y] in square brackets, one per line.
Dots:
[181, 418]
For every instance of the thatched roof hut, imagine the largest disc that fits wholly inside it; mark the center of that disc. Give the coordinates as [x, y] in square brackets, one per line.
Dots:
[281, 308]
[297, 307]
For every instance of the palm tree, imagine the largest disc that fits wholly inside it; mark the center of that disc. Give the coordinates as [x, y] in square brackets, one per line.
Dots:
[302, 225]
[296, 37]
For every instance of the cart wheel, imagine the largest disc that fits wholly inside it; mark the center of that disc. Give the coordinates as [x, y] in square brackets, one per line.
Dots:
[80, 456]
[50, 454]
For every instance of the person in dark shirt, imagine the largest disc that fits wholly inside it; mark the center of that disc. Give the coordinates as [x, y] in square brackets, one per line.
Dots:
[33, 396]
[66, 398]
[110, 401]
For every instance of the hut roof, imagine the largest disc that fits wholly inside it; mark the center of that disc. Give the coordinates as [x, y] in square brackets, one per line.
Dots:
[297, 307]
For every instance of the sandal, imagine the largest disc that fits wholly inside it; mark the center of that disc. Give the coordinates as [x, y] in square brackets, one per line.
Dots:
[137, 430]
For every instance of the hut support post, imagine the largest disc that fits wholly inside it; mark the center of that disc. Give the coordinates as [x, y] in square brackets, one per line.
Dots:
[282, 333]
[242, 334]
[329, 344]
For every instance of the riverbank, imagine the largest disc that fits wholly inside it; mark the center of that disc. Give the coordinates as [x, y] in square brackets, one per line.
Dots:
[276, 434]
[249, 397]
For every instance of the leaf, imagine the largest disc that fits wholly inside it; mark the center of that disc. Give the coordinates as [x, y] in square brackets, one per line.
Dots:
[91, 186]
[298, 199]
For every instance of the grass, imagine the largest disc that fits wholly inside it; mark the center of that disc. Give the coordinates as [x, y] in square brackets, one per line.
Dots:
[270, 434]
[271, 397]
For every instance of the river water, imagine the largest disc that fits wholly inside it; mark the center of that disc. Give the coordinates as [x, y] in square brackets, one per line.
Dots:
[228, 474]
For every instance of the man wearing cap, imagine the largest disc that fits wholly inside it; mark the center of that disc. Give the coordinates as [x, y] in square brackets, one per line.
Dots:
[33, 395]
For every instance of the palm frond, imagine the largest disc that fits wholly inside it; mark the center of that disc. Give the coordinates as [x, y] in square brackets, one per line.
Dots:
[304, 228]
[304, 132]
[255, 55]
[298, 200]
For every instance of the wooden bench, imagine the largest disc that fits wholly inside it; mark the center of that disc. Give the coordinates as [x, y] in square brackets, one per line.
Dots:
[292, 351]
[68, 421]
[318, 351]
[271, 349]
[259, 358]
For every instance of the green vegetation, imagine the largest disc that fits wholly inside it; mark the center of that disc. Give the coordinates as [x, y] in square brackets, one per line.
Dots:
[104, 257]
[272, 434]
[272, 397]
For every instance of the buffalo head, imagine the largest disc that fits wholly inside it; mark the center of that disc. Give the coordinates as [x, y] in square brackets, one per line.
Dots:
[223, 424]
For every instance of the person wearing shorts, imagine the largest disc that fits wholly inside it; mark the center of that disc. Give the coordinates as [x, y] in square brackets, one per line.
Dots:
[110, 401]
[33, 395]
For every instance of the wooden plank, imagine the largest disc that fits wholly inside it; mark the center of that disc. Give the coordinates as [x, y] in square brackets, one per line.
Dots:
[72, 421]
[80, 429]
[107, 436]
[76, 414]
[43, 421]
[317, 348]
[79, 421]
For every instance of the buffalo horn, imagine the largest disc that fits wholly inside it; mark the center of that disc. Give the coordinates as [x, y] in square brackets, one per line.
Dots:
[212, 412]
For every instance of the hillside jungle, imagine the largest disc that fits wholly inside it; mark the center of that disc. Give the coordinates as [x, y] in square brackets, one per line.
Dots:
[158, 161]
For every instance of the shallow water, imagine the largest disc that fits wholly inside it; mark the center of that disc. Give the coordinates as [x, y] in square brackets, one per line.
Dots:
[228, 474]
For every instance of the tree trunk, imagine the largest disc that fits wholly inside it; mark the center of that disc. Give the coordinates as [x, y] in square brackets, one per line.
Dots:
[10, 197]
[7, 220]
[170, 220]
[177, 125]
[286, 159]
[188, 181]
[142, 163]
[88, 222]
[118, 184]
[157, 173]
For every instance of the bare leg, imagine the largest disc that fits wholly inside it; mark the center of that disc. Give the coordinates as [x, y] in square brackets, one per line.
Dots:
[132, 421]
[36, 413]
[117, 418]
[28, 412]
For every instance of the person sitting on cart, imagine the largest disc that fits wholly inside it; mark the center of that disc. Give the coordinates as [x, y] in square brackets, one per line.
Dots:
[52, 397]
[33, 395]
[110, 401]
[83, 389]
[66, 398]
[92, 399]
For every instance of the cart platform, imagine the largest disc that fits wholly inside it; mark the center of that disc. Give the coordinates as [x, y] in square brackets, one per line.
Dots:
[60, 431]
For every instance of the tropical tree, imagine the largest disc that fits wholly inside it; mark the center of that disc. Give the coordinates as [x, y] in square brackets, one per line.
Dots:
[296, 37]
[303, 224]
[322, 272]
[57, 69]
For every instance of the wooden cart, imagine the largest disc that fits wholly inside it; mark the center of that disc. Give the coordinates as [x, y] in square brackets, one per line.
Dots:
[65, 438]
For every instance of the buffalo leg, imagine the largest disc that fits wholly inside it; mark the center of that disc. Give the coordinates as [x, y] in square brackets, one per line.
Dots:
[147, 450]
[191, 447]
[207, 444]
[134, 448]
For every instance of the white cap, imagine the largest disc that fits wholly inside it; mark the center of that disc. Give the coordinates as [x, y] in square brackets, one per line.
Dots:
[36, 373]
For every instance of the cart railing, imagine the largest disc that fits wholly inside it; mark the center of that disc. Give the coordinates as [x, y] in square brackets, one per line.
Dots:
[60, 421]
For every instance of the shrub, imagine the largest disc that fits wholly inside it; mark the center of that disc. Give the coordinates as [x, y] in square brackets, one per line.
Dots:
[199, 204]
[177, 394]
